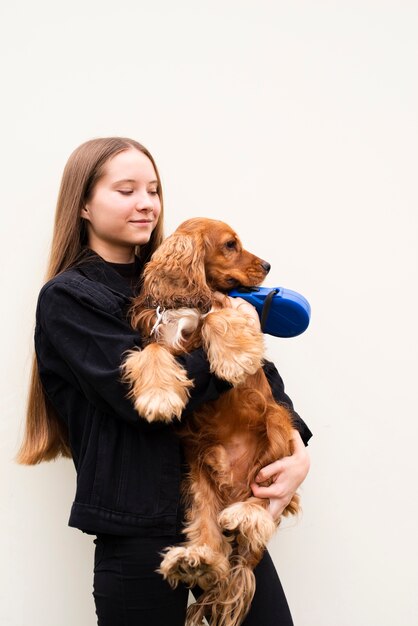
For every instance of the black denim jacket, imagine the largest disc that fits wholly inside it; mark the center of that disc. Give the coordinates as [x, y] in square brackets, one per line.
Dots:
[128, 471]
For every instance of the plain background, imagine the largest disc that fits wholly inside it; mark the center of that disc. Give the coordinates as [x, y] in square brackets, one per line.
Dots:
[296, 122]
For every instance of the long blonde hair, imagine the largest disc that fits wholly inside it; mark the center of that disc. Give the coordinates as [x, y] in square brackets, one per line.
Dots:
[46, 435]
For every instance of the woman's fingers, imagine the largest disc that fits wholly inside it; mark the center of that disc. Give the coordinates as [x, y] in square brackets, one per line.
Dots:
[285, 475]
[269, 471]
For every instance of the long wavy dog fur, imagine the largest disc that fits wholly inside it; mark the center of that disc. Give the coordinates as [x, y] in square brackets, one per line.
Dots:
[226, 441]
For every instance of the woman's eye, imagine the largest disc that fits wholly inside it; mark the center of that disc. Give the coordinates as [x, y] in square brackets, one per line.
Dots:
[125, 192]
[153, 192]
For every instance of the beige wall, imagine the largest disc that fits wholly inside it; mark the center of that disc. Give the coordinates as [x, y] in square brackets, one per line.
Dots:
[297, 123]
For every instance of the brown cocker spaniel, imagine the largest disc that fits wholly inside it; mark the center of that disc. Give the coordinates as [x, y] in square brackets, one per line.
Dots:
[227, 441]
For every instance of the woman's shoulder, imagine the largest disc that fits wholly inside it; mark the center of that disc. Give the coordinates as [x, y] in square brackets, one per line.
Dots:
[73, 286]
[67, 277]
[71, 280]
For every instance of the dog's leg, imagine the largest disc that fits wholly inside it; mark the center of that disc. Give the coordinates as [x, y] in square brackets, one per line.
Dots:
[252, 524]
[250, 519]
[203, 559]
[159, 385]
[235, 347]
[227, 602]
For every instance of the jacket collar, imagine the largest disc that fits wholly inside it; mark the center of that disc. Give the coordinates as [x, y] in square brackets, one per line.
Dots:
[95, 268]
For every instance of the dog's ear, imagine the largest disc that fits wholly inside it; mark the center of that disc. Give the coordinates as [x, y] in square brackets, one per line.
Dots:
[175, 276]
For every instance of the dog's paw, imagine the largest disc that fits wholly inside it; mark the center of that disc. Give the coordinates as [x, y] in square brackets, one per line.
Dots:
[235, 348]
[251, 521]
[194, 565]
[159, 385]
[236, 368]
[160, 404]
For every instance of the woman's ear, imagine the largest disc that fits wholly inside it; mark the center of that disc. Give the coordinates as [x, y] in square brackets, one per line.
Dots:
[84, 213]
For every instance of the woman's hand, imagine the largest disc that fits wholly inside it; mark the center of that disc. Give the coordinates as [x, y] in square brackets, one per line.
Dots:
[287, 475]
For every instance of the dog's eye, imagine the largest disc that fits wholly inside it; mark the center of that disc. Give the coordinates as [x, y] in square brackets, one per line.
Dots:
[231, 245]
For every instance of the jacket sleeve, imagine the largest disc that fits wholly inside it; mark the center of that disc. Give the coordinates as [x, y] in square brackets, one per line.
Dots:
[89, 340]
[277, 388]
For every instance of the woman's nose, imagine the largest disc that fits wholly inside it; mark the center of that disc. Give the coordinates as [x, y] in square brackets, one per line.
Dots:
[143, 203]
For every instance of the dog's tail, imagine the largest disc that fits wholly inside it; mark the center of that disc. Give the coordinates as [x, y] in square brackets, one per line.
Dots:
[228, 602]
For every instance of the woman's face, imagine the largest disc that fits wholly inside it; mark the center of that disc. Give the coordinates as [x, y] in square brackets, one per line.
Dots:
[124, 207]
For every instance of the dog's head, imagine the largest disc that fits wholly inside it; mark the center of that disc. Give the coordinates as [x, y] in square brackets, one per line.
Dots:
[200, 257]
[226, 263]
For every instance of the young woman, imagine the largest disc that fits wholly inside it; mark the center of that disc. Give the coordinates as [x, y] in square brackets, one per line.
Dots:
[109, 220]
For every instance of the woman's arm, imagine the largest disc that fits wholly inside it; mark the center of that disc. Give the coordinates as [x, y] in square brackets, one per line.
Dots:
[279, 394]
[287, 473]
[81, 338]
[274, 379]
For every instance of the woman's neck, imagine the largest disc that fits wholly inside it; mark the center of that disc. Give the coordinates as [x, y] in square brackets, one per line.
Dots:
[113, 254]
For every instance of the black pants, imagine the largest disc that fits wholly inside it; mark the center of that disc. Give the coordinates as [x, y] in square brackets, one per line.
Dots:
[128, 592]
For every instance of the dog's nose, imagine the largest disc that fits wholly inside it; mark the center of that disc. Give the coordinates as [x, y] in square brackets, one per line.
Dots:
[266, 266]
